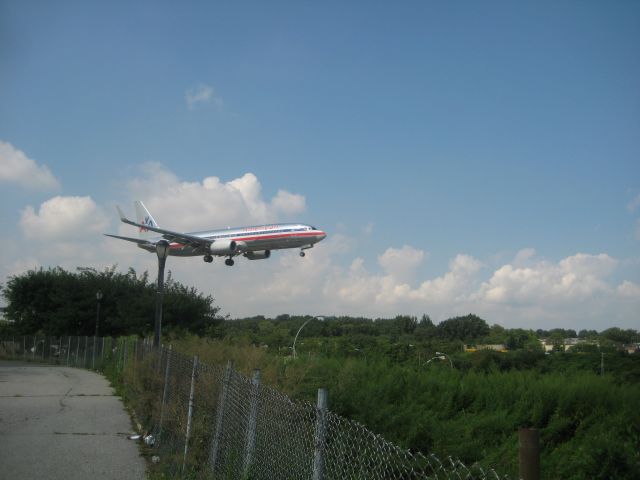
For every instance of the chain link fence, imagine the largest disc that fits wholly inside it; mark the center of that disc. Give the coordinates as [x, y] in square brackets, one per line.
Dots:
[211, 422]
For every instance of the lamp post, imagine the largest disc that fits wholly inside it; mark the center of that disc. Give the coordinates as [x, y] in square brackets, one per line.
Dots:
[444, 355]
[298, 333]
[95, 336]
[162, 250]
[98, 298]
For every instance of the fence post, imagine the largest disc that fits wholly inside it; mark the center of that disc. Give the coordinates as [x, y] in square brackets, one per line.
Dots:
[165, 391]
[190, 414]
[68, 349]
[125, 352]
[24, 347]
[215, 445]
[84, 355]
[529, 453]
[102, 353]
[94, 352]
[77, 351]
[321, 434]
[250, 441]
[33, 356]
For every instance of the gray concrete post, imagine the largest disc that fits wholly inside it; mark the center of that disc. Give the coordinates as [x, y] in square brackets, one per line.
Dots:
[190, 413]
[222, 400]
[84, 355]
[529, 453]
[250, 441]
[68, 350]
[77, 351]
[321, 434]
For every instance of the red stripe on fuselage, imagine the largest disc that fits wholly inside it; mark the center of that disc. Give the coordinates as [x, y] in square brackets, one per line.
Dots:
[279, 235]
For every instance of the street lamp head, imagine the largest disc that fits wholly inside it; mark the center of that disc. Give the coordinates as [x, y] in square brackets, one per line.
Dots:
[99, 295]
[162, 249]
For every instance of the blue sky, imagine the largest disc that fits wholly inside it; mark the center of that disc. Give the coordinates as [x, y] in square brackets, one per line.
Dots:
[463, 156]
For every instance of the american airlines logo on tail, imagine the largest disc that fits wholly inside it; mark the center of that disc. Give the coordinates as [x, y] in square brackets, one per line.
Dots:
[147, 221]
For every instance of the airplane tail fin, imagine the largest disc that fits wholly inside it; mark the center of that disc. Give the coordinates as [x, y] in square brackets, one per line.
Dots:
[144, 217]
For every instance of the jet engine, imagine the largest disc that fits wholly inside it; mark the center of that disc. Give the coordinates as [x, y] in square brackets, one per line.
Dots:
[258, 255]
[226, 247]
[223, 247]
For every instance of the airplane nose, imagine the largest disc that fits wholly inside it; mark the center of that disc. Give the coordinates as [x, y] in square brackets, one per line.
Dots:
[322, 236]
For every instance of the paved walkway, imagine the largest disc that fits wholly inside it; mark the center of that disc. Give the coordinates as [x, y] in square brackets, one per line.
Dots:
[63, 423]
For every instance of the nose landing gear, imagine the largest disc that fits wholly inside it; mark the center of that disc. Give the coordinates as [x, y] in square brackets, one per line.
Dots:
[305, 248]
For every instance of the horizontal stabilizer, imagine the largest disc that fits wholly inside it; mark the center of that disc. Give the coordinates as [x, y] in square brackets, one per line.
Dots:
[139, 241]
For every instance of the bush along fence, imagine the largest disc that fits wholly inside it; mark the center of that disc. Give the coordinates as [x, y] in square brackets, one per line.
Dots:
[210, 421]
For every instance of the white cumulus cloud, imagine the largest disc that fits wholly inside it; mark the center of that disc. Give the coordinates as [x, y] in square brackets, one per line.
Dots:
[288, 203]
[572, 279]
[210, 203]
[401, 263]
[63, 217]
[629, 290]
[16, 167]
[202, 94]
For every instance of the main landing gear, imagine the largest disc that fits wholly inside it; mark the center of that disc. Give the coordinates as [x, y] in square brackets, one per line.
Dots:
[208, 258]
[229, 262]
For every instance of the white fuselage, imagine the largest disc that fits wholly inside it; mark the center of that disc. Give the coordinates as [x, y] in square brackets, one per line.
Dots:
[253, 239]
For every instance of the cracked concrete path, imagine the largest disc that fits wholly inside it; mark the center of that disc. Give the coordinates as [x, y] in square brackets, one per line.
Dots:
[63, 423]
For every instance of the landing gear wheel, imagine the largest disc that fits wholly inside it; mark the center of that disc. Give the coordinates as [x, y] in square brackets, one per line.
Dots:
[208, 258]
[229, 262]
[302, 254]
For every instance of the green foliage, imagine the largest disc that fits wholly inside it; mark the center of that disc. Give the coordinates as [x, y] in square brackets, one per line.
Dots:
[57, 302]
[469, 327]
[589, 424]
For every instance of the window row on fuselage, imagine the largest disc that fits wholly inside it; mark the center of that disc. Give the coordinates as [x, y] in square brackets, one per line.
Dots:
[262, 232]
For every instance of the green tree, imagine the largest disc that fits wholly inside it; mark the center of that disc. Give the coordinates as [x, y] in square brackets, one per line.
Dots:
[467, 328]
[58, 302]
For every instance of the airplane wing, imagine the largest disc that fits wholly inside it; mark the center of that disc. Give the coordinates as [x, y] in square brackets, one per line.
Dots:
[139, 241]
[169, 235]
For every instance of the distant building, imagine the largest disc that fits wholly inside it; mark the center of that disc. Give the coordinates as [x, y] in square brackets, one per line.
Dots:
[567, 344]
[632, 348]
[497, 347]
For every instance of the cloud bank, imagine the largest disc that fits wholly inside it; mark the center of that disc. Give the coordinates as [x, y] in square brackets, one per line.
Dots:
[582, 290]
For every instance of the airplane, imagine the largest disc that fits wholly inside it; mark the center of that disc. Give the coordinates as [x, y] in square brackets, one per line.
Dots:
[254, 242]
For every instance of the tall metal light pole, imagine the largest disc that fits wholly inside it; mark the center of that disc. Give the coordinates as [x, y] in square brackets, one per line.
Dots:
[162, 249]
[446, 356]
[98, 298]
[298, 333]
[95, 336]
